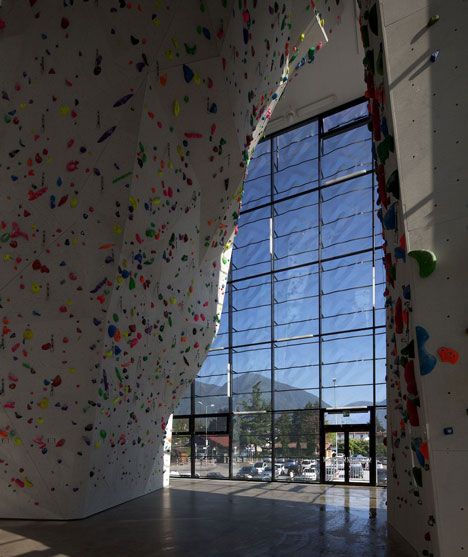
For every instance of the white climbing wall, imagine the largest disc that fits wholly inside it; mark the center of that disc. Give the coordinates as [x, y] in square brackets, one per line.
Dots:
[125, 133]
[425, 103]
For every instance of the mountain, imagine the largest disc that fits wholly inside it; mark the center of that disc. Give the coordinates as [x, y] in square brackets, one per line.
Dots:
[286, 396]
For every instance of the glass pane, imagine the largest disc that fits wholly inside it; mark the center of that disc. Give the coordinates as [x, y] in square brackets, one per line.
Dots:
[251, 381]
[251, 254]
[180, 425]
[343, 418]
[251, 310]
[347, 359]
[184, 405]
[295, 231]
[334, 457]
[257, 186]
[211, 384]
[211, 424]
[346, 153]
[297, 446]
[296, 161]
[359, 461]
[347, 299]
[380, 393]
[296, 302]
[345, 116]
[341, 397]
[380, 355]
[180, 456]
[212, 404]
[347, 217]
[251, 450]
[221, 339]
[296, 374]
[212, 456]
[380, 448]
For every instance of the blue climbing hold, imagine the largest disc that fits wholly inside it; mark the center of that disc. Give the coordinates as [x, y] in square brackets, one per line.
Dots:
[427, 361]
[188, 73]
[389, 219]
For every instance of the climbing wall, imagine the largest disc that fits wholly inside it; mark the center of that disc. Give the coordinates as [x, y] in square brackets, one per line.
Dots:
[125, 134]
[416, 73]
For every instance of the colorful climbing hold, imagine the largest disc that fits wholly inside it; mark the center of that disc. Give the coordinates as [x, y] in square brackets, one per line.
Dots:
[427, 361]
[448, 355]
[426, 260]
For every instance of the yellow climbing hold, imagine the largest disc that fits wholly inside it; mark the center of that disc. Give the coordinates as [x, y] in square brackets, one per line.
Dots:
[73, 202]
[64, 110]
[118, 229]
[156, 201]
[173, 300]
[40, 421]
[17, 441]
[302, 36]
[44, 403]
[27, 482]
[36, 288]
[133, 202]
[197, 79]
[169, 54]
[28, 334]
[176, 108]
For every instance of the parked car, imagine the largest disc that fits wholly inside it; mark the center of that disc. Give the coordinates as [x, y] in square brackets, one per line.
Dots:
[265, 475]
[260, 466]
[292, 468]
[279, 469]
[308, 474]
[247, 473]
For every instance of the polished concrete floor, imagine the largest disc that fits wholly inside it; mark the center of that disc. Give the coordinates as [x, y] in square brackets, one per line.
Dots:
[219, 518]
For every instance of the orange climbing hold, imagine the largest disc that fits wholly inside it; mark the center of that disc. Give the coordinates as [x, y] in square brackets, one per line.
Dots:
[448, 355]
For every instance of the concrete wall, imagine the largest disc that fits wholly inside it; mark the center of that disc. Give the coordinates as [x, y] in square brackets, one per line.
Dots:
[126, 129]
[418, 81]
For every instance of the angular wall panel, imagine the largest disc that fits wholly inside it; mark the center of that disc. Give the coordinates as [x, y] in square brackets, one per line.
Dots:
[126, 130]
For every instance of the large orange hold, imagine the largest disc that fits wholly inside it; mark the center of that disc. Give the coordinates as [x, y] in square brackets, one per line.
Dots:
[448, 355]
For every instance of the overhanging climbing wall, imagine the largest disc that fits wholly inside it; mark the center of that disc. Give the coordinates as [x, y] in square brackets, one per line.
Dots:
[126, 129]
[416, 73]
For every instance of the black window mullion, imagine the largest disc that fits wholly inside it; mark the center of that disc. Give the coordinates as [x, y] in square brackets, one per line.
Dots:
[274, 165]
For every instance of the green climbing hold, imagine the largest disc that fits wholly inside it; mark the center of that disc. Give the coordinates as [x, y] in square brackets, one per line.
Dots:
[131, 283]
[434, 19]
[426, 261]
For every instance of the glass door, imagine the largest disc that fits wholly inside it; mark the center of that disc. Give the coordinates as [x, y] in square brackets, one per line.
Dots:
[335, 456]
[359, 456]
[346, 456]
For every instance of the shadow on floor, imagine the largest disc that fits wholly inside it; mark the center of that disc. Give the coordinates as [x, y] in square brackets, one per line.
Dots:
[217, 519]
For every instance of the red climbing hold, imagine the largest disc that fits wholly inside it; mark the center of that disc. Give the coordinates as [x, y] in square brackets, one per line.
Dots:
[64, 23]
[448, 355]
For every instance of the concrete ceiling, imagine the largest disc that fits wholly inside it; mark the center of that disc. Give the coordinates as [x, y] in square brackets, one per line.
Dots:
[334, 78]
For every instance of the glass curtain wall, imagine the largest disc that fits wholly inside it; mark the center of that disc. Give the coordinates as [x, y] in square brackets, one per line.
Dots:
[303, 323]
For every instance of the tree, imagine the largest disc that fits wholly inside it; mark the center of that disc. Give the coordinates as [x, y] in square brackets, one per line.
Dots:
[255, 428]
